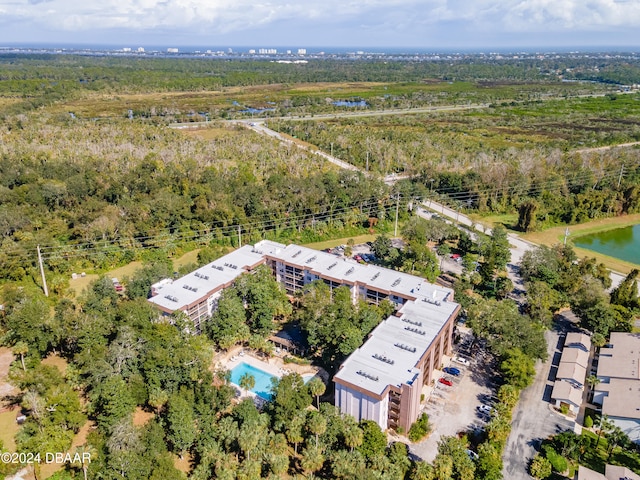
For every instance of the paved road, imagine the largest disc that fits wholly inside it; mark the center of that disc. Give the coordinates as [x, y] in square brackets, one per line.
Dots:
[533, 419]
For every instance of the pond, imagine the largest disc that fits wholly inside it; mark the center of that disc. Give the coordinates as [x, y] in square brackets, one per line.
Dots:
[621, 243]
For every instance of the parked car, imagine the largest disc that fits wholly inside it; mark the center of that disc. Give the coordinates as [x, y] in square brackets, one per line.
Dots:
[117, 285]
[484, 408]
[452, 371]
[446, 381]
[472, 455]
[462, 361]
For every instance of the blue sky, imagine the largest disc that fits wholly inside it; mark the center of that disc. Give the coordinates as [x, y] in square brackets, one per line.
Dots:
[424, 24]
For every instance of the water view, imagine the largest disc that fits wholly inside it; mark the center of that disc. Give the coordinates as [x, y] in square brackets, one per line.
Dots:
[621, 243]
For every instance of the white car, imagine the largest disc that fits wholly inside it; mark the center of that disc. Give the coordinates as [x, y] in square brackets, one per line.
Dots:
[484, 408]
[462, 361]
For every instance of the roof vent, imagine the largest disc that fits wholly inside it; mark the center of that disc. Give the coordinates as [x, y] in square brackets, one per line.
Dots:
[296, 254]
[412, 322]
[332, 265]
[375, 276]
[367, 375]
[384, 359]
[396, 282]
[311, 259]
[350, 271]
[415, 330]
[402, 346]
[172, 298]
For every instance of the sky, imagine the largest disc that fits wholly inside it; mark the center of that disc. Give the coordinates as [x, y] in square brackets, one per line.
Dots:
[366, 24]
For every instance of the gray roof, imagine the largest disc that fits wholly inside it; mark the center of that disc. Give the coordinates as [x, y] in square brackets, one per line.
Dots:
[201, 283]
[576, 338]
[622, 358]
[585, 473]
[346, 270]
[616, 472]
[565, 391]
[571, 371]
[399, 341]
[575, 355]
[623, 399]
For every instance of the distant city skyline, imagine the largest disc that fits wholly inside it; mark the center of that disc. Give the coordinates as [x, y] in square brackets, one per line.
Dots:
[366, 24]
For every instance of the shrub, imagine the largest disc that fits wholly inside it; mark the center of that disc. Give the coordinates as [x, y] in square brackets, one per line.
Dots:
[540, 467]
[558, 462]
[588, 422]
[296, 360]
[420, 428]
[564, 408]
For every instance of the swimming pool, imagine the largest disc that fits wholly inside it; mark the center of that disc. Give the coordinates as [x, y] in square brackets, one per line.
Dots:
[262, 387]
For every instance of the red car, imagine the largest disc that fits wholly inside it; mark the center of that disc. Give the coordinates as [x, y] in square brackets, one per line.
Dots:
[446, 381]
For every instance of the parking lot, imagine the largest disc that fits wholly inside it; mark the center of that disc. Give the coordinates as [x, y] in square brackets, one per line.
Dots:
[454, 409]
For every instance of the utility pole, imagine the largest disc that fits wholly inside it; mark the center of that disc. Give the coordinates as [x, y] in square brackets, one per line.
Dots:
[44, 279]
[621, 173]
[367, 168]
[395, 230]
[239, 236]
[332, 149]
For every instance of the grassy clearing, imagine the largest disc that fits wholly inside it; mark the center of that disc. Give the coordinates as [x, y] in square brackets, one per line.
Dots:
[56, 361]
[140, 417]
[80, 284]
[186, 259]
[341, 241]
[506, 219]
[555, 235]
[8, 429]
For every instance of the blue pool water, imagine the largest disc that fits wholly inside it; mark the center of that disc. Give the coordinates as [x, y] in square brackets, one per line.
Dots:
[262, 387]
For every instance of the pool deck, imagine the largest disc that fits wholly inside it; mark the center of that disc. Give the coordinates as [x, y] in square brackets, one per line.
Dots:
[274, 365]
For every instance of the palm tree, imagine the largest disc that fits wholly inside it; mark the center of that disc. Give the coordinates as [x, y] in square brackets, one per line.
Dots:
[312, 460]
[21, 348]
[247, 382]
[353, 436]
[317, 389]
[317, 424]
[294, 432]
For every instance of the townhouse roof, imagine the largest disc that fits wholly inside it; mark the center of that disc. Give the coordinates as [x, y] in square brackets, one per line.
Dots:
[623, 399]
[621, 357]
[563, 390]
[575, 355]
[571, 371]
[577, 339]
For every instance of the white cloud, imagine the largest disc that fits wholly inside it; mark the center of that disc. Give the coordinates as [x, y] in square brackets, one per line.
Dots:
[219, 17]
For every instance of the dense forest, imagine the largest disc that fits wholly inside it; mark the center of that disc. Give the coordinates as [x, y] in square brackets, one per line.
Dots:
[91, 173]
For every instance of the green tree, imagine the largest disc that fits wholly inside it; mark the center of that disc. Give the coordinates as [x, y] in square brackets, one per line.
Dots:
[294, 430]
[247, 382]
[290, 395]
[316, 388]
[21, 348]
[527, 216]
[489, 464]
[317, 424]
[540, 467]
[312, 460]
[181, 423]
[227, 324]
[374, 441]
[517, 368]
